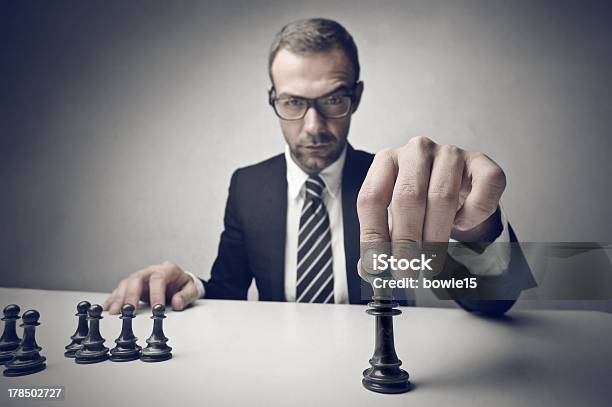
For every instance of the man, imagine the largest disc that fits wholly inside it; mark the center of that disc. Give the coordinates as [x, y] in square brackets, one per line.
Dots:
[295, 221]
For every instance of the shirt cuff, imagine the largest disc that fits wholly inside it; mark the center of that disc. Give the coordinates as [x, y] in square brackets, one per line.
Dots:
[493, 261]
[198, 283]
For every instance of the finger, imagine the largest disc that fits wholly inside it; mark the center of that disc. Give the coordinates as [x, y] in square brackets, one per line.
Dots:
[374, 197]
[134, 289]
[117, 303]
[488, 185]
[443, 193]
[410, 191]
[185, 296]
[109, 300]
[157, 288]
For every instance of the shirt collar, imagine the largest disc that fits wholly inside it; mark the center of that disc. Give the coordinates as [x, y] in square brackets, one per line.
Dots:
[331, 175]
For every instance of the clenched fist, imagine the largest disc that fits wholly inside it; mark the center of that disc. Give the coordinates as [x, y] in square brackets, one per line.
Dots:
[432, 191]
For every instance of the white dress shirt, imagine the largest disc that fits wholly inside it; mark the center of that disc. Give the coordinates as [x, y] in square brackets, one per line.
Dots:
[332, 198]
[493, 261]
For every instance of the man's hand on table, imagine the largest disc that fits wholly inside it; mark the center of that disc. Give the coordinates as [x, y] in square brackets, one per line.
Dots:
[154, 284]
[432, 191]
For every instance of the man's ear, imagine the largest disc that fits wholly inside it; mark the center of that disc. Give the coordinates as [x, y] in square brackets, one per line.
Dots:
[358, 93]
[271, 94]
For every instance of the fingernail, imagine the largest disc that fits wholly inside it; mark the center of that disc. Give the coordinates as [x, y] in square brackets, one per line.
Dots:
[179, 304]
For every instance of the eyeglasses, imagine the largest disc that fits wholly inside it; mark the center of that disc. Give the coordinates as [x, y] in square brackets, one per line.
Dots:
[295, 107]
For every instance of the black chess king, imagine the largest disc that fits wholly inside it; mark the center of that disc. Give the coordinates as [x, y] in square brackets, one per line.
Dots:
[384, 375]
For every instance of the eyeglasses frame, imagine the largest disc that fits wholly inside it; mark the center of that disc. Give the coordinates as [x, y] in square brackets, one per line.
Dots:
[311, 103]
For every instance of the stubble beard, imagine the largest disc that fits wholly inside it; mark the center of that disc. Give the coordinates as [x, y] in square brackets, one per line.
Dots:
[313, 162]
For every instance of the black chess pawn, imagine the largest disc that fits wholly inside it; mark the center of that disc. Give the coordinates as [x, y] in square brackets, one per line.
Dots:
[127, 349]
[93, 349]
[9, 341]
[81, 331]
[27, 359]
[157, 350]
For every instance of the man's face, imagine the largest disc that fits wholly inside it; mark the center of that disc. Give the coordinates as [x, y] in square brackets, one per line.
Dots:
[315, 141]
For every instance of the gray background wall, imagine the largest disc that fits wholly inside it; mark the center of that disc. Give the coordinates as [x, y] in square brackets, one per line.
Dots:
[121, 122]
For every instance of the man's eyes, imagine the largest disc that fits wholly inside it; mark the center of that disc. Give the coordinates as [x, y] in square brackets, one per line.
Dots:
[326, 101]
[332, 100]
[293, 102]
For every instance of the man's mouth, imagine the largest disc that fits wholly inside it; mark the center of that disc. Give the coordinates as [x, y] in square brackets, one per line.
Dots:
[317, 147]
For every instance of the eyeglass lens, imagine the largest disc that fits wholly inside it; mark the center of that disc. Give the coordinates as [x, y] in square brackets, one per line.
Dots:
[292, 108]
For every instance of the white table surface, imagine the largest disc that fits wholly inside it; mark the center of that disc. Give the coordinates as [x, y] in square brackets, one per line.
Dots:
[235, 353]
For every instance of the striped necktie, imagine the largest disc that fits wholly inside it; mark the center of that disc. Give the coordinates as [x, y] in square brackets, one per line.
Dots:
[315, 277]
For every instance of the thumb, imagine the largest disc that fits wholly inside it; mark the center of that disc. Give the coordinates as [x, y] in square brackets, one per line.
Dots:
[185, 296]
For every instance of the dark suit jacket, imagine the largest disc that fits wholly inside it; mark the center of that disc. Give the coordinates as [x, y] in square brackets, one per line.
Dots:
[252, 244]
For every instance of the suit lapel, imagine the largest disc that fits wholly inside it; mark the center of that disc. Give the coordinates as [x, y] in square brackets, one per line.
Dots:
[274, 210]
[353, 174]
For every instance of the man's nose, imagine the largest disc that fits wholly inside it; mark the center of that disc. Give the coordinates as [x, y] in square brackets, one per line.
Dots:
[313, 121]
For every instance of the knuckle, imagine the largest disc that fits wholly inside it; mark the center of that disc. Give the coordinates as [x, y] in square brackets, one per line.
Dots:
[488, 171]
[449, 150]
[158, 275]
[442, 189]
[487, 207]
[149, 270]
[498, 176]
[384, 154]
[495, 178]
[478, 156]
[408, 193]
[369, 196]
[372, 235]
[169, 266]
[406, 240]
[442, 196]
[420, 142]
[134, 277]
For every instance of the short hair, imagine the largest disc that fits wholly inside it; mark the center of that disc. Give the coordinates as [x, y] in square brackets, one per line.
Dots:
[314, 35]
